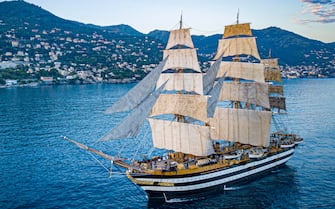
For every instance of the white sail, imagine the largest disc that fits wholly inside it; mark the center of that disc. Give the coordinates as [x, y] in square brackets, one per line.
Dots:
[244, 70]
[181, 59]
[138, 93]
[237, 46]
[194, 106]
[237, 30]
[210, 76]
[181, 137]
[253, 93]
[241, 125]
[130, 126]
[190, 82]
[180, 37]
[214, 97]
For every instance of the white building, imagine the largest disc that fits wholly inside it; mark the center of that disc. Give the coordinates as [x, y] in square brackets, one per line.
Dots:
[10, 82]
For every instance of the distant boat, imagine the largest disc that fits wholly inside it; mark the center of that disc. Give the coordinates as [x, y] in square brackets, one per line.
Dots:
[181, 105]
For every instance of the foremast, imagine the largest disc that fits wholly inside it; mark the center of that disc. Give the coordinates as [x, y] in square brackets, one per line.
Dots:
[183, 98]
[178, 91]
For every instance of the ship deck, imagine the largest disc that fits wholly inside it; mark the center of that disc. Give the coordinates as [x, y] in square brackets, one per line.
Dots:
[180, 164]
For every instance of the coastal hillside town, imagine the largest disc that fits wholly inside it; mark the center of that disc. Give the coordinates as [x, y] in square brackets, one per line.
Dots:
[69, 57]
[37, 47]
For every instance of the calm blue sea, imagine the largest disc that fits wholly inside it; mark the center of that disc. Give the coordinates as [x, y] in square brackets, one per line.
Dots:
[38, 169]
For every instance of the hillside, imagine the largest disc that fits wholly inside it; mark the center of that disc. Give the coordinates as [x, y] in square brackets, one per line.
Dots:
[290, 48]
[40, 43]
[123, 30]
[18, 13]
[36, 40]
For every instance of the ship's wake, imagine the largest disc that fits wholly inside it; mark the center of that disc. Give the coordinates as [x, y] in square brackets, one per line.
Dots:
[231, 188]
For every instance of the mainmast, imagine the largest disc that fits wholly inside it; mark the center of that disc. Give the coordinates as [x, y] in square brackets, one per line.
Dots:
[180, 70]
[244, 121]
[237, 16]
[181, 21]
[237, 59]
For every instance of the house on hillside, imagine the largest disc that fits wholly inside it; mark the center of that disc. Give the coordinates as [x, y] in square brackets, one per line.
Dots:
[10, 82]
[47, 80]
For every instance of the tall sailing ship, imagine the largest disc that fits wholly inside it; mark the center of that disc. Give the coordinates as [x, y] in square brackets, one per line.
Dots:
[215, 127]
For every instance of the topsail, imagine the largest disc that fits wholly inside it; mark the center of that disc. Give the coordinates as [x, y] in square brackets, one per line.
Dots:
[237, 30]
[236, 46]
[180, 37]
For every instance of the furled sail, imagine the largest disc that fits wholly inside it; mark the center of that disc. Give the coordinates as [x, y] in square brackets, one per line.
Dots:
[130, 126]
[278, 102]
[194, 106]
[253, 93]
[190, 82]
[180, 37]
[237, 30]
[210, 76]
[244, 70]
[182, 58]
[181, 137]
[237, 46]
[139, 92]
[276, 89]
[241, 125]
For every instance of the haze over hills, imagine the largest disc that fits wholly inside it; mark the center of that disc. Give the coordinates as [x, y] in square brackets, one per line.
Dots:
[37, 41]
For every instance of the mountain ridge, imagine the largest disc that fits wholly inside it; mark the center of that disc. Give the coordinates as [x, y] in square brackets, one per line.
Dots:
[121, 46]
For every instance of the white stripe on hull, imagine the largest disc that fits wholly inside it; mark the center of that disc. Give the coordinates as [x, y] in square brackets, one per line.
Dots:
[219, 181]
[219, 173]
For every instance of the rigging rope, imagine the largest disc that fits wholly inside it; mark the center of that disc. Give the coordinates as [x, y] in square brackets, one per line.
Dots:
[108, 170]
[203, 32]
[150, 151]
[140, 145]
[218, 30]
[98, 161]
[123, 146]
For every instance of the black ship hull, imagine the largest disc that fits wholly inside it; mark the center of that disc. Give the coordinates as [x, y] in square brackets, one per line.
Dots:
[199, 185]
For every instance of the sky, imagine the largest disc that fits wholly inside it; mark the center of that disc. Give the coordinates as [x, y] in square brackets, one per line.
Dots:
[314, 19]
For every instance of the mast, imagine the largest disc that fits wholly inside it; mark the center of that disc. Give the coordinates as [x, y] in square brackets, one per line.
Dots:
[178, 93]
[237, 59]
[181, 21]
[183, 101]
[180, 70]
[245, 121]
